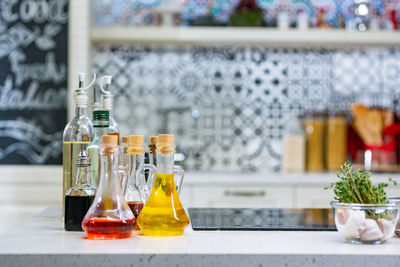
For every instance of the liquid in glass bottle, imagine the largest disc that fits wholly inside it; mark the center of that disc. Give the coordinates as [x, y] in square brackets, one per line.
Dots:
[79, 197]
[163, 213]
[108, 103]
[135, 183]
[109, 217]
[76, 137]
[100, 125]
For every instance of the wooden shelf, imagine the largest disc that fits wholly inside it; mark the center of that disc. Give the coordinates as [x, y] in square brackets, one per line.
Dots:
[230, 35]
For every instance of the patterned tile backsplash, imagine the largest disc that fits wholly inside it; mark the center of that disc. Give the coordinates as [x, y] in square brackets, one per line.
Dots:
[227, 106]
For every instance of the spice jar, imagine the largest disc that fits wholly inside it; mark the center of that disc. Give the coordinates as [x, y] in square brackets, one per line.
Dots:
[293, 156]
[314, 128]
[336, 141]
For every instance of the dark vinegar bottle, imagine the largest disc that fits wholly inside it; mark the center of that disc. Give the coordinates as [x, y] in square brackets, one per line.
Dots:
[79, 197]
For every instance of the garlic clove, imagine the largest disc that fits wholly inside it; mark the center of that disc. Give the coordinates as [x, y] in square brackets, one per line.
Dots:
[372, 231]
[343, 215]
[354, 222]
[386, 227]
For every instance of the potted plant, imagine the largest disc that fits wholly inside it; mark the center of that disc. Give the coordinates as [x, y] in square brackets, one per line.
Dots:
[247, 14]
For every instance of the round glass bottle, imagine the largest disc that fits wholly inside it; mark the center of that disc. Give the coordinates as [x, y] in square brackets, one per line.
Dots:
[163, 213]
[135, 183]
[109, 217]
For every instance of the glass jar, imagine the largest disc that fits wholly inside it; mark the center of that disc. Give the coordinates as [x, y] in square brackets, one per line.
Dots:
[314, 128]
[293, 156]
[336, 141]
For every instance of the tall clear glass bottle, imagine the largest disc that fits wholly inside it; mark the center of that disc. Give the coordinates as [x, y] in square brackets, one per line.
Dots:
[152, 150]
[135, 183]
[79, 197]
[100, 125]
[77, 135]
[152, 160]
[109, 217]
[108, 104]
[163, 213]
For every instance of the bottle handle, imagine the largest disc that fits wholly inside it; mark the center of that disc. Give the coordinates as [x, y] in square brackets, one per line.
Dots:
[145, 187]
[123, 178]
[179, 174]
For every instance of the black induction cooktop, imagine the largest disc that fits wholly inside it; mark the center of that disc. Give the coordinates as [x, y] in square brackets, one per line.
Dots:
[243, 219]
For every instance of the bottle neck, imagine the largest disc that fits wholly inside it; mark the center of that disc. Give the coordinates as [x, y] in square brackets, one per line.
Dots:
[108, 176]
[152, 154]
[165, 163]
[80, 111]
[153, 159]
[100, 131]
[82, 177]
[134, 162]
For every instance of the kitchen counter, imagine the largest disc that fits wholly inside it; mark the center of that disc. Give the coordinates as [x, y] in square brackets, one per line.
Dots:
[40, 241]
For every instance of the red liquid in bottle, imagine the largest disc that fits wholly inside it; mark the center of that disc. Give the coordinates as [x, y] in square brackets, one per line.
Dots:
[102, 228]
[136, 207]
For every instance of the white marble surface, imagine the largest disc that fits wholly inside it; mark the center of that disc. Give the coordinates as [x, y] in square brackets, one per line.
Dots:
[40, 241]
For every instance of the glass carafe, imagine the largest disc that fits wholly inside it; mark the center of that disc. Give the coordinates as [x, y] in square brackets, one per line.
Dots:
[109, 217]
[163, 213]
[134, 158]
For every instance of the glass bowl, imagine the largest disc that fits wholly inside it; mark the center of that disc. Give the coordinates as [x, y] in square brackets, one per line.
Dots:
[396, 200]
[366, 223]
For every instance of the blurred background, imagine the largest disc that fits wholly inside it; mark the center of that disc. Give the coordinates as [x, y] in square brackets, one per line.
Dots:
[259, 93]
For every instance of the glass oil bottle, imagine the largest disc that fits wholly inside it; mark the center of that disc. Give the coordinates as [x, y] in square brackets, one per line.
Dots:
[107, 102]
[151, 158]
[77, 135]
[79, 197]
[100, 125]
[109, 217]
[163, 213]
[135, 183]
[152, 150]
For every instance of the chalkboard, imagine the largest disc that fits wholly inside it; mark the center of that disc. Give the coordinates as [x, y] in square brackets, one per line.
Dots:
[33, 80]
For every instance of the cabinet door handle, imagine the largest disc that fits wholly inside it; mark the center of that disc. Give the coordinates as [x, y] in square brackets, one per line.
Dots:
[245, 193]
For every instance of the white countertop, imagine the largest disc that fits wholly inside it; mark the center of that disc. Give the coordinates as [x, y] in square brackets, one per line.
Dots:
[41, 241]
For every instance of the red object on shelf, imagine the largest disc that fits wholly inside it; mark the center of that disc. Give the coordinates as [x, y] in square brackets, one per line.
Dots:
[103, 228]
[386, 154]
[393, 19]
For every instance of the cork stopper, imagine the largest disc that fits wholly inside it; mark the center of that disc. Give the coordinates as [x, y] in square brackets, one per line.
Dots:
[152, 145]
[166, 139]
[136, 139]
[109, 144]
[153, 140]
[109, 139]
[125, 139]
[135, 145]
[165, 144]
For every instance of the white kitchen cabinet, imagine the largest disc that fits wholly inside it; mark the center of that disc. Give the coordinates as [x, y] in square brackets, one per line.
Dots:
[186, 196]
[312, 197]
[242, 196]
